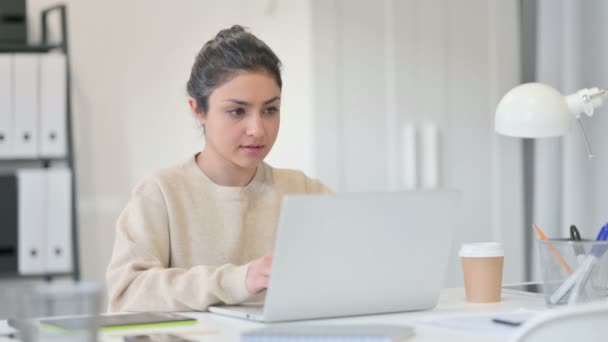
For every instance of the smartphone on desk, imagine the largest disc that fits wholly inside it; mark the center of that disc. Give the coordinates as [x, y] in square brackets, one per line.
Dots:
[533, 289]
[155, 337]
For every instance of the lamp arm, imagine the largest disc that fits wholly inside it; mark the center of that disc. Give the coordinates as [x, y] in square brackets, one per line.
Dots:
[585, 101]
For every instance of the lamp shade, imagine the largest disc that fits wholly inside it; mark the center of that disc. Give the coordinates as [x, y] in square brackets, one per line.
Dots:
[533, 110]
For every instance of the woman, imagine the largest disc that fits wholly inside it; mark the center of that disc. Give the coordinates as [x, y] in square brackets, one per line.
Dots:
[202, 232]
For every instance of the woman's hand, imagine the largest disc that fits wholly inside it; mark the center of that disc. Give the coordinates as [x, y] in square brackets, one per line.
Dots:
[258, 273]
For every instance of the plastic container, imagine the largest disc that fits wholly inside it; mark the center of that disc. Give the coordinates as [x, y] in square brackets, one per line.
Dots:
[573, 271]
[32, 305]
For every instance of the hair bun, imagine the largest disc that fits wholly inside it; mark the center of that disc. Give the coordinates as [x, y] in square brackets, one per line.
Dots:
[232, 32]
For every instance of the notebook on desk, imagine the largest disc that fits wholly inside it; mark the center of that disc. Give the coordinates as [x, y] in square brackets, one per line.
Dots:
[115, 322]
[356, 254]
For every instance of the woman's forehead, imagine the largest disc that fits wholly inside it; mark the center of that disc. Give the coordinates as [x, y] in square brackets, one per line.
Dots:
[248, 86]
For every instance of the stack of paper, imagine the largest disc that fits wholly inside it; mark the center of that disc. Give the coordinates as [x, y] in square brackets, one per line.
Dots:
[368, 333]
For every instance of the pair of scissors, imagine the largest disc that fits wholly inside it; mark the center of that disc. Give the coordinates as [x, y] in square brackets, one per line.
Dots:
[575, 236]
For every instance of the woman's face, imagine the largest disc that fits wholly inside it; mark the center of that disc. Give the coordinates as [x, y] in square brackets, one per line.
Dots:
[242, 121]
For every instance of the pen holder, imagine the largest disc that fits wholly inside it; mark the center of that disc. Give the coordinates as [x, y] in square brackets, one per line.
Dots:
[574, 271]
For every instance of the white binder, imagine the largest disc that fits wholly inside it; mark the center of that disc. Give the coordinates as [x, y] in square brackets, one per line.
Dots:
[53, 105]
[6, 106]
[25, 85]
[59, 221]
[31, 185]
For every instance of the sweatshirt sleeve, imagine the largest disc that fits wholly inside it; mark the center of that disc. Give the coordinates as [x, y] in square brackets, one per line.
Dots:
[314, 186]
[139, 277]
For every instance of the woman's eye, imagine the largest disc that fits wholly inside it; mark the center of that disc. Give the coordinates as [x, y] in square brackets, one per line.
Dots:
[271, 110]
[236, 112]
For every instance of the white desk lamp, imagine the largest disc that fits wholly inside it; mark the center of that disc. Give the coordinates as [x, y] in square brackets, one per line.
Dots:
[535, 110]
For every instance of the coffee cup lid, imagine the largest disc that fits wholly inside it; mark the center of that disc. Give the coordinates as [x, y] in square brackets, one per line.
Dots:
[481, 250]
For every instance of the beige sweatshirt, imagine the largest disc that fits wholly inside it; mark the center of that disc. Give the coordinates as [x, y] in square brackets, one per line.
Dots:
[184, 243]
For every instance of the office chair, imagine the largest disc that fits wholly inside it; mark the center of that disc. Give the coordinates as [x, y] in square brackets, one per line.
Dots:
[584, 322]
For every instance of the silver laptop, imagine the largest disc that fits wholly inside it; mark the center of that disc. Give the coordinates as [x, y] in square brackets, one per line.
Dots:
[356, 254]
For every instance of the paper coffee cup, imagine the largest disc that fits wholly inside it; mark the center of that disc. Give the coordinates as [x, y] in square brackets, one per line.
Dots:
[482, 265]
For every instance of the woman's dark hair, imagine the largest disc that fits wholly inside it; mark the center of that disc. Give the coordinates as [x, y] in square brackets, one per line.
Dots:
[232, 50]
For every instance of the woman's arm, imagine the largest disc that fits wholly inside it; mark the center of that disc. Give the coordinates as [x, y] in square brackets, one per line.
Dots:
[138, 277]
[315, 186]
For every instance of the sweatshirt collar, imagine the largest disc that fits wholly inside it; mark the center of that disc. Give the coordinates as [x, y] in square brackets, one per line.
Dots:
[258, 184]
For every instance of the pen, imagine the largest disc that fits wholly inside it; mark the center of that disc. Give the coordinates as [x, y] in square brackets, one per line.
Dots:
[554, 251]
[603, 234]
[506, 322]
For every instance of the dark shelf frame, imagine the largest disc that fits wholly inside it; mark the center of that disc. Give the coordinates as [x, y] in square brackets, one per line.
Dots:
[46, 276]
[27, 48]
[15, 160]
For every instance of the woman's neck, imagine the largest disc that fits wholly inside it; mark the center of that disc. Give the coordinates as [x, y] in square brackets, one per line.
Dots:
[222, 171]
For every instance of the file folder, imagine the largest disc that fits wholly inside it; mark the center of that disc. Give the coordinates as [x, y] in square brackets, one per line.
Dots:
[6, 106]
[31, 185]
[58, 221]
[25, 96]
[53, 105]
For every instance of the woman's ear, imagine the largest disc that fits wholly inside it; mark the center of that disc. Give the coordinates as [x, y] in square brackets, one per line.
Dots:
[196, 111]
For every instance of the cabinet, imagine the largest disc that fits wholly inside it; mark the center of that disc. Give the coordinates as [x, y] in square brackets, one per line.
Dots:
[38, 217]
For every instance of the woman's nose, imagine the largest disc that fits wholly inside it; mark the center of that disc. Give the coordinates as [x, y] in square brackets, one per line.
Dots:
[255, 126]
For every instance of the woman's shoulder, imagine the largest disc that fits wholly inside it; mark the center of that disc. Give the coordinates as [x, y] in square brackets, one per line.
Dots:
[296, 181]
[282, 173]
[169, 177]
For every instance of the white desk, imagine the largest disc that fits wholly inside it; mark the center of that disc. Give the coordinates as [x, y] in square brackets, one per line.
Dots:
[212, 327]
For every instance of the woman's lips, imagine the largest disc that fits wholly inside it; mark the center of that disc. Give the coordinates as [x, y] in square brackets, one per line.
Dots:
[253, 149]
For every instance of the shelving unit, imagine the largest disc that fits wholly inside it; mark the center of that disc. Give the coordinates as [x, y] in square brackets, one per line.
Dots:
[12, 164]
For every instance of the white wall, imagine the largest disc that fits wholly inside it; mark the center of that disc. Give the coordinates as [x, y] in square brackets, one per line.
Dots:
[386, 63]
[130, 64]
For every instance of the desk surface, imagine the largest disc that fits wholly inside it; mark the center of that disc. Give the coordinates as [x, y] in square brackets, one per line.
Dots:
[212, 327]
